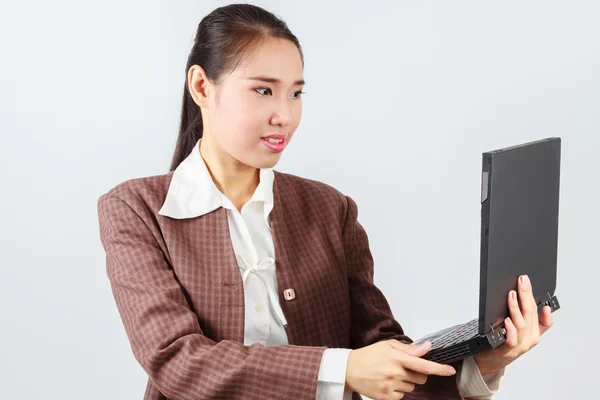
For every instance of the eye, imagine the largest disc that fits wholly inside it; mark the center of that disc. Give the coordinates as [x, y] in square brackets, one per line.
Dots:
[258, 90]
[263, 91]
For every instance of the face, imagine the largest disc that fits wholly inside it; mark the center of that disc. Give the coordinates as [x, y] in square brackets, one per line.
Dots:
[260, 98]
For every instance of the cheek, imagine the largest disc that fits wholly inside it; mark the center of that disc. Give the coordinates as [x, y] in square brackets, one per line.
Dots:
[241, 122]
[297, 116]
[298, 113]
[241, 109]
[243, 118]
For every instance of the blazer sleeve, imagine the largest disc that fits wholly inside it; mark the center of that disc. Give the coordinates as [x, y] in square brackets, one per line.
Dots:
[372, 319]
[164, 333]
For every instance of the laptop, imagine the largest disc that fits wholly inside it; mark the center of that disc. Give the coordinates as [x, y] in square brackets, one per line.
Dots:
[519, 235]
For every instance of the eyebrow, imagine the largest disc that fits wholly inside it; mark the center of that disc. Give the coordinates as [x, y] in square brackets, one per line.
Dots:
[273, 80]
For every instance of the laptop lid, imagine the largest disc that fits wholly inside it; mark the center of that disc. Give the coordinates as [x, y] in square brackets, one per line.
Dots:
[519, 225]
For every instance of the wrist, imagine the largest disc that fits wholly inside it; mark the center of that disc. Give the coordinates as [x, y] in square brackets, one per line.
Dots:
[484, 367]
[349, 380]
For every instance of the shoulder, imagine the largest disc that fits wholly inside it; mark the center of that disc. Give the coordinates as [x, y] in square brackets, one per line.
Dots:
[148, 192]
[311, 194]
[307, 188]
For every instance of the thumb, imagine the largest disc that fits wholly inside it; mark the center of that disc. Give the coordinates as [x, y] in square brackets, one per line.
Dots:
[417, 350]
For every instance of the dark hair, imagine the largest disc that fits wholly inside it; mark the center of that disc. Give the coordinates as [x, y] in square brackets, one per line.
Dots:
[224, 37]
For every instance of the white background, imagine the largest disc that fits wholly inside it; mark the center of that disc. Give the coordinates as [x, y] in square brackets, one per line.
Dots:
[402, 99]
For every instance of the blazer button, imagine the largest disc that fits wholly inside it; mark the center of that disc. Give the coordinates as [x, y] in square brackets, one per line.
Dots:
[289, 294]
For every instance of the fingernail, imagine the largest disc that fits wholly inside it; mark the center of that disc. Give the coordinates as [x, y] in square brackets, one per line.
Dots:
[451, 371]
[513, 295]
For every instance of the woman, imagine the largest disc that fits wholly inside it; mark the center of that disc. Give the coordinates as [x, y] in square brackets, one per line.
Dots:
[237, 281]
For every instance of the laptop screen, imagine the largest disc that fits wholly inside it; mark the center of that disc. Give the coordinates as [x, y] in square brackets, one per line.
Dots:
[519, 224]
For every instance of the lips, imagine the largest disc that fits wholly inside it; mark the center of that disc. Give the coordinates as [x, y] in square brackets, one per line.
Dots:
[275, 147]
[278, 136]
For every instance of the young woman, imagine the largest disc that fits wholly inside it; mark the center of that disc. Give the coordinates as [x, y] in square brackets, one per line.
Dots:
[235, 281]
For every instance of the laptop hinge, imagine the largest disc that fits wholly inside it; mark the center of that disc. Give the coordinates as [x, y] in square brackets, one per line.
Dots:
[548, 300]
[543, 299]
[496, 324]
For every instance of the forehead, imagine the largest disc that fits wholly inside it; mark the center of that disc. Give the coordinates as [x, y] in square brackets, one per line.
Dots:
[274, 58]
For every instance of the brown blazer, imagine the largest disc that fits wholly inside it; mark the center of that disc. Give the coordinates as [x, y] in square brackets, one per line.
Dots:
[179, 293]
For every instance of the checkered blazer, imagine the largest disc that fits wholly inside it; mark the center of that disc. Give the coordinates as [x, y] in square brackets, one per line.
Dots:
[179, 293]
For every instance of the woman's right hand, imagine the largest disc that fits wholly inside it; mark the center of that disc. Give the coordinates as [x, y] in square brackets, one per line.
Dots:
[388, 369]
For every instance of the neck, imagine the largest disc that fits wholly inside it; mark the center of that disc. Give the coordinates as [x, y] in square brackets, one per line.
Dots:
[234, 179]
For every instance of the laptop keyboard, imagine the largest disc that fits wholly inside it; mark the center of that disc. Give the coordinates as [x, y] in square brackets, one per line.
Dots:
[457, 335]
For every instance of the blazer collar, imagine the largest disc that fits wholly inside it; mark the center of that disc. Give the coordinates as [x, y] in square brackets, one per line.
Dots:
[193, 193]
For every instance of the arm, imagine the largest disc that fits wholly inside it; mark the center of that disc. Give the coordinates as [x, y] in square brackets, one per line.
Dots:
[332, 375]
[475, 386]
[165, 334]
[372, 318]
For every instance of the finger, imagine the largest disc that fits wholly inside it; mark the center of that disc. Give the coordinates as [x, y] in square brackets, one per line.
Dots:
[546, 320]
[414, 377]
[515, 311]
[528, 305]
[426, 367]
[404, 387]
[512, 336]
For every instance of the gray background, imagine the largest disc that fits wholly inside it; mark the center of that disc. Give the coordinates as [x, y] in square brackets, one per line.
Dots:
[402, 99]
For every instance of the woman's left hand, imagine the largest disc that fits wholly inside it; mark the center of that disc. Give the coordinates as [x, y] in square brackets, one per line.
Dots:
[523, 330]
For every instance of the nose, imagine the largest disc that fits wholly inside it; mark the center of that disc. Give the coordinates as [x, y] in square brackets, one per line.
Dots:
[283, 114]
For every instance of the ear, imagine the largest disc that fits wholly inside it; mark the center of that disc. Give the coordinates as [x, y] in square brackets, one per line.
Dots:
[199, 85]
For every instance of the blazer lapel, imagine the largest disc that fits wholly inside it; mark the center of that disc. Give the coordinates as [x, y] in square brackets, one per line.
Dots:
[232, 286]
[282, 226]
[217, 276]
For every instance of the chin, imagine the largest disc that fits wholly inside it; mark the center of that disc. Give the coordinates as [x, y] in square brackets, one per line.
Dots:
[268, 164]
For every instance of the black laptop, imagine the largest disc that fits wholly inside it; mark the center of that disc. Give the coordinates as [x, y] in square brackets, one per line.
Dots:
[519, 235]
